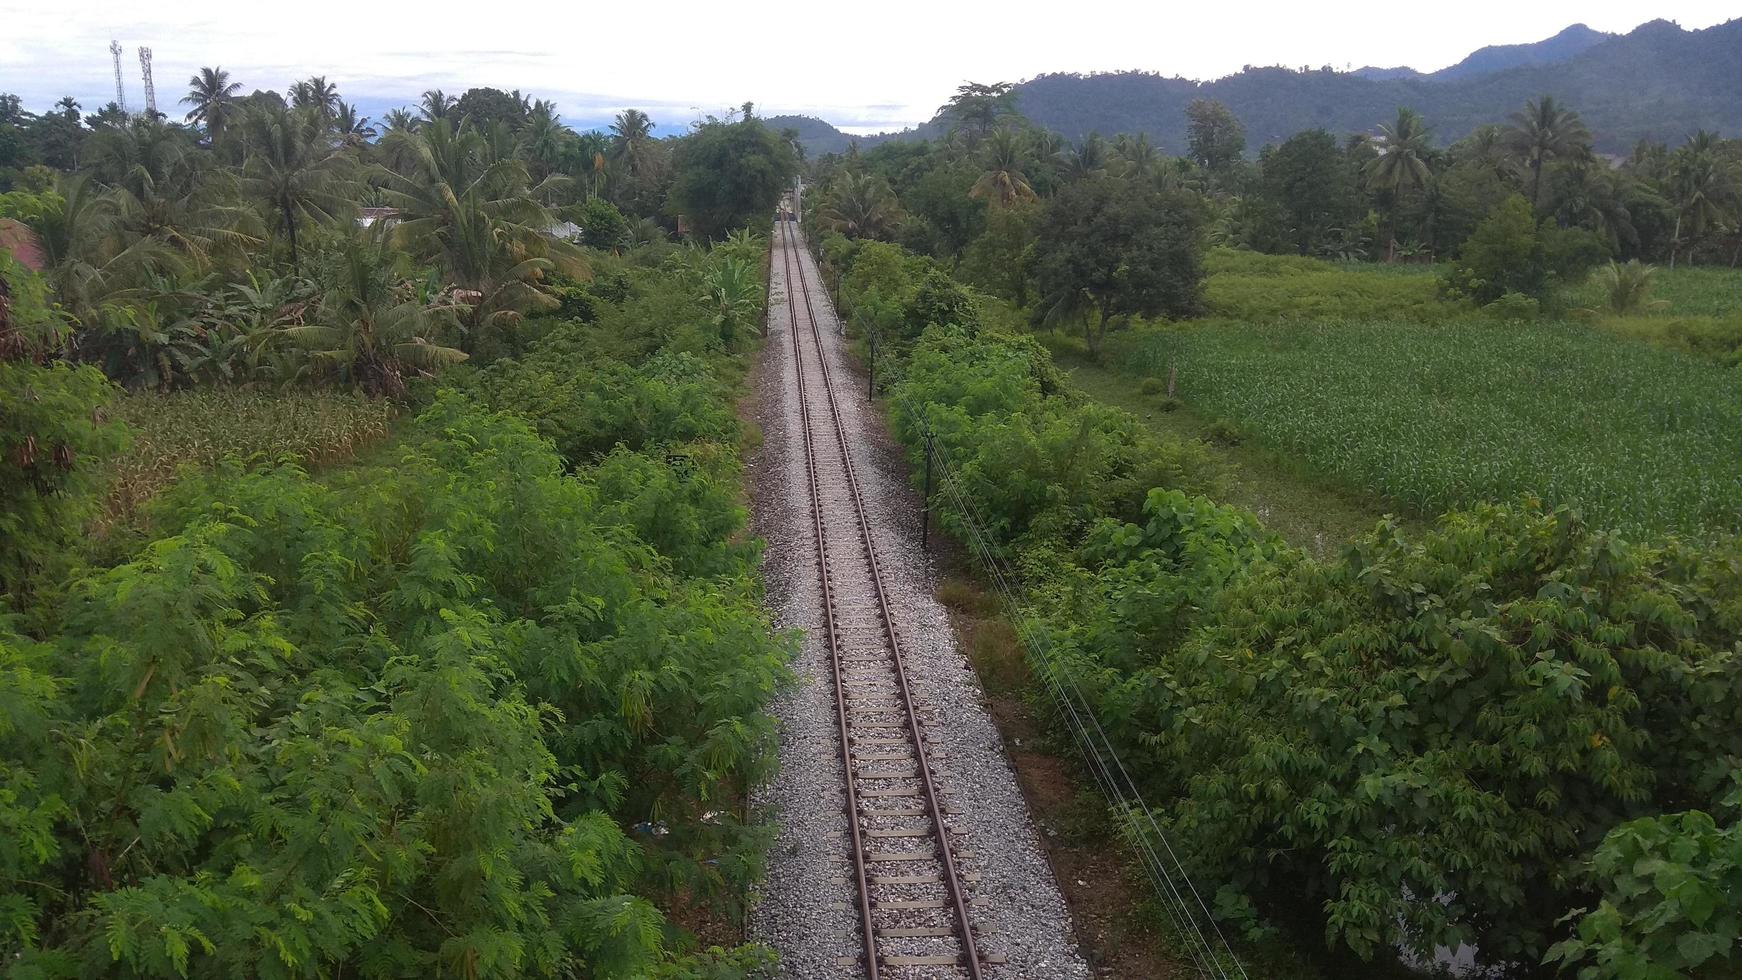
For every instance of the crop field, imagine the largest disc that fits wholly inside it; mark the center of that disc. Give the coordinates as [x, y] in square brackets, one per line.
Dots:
[1686, 291]
[1434, 416]
[203, 425]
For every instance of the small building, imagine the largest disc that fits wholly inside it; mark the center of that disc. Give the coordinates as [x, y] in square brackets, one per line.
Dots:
[20, 242]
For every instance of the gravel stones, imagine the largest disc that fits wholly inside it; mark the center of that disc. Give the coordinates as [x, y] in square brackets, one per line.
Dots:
[807, 907]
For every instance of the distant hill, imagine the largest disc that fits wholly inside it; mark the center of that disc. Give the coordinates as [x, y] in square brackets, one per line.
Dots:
[817, 136]
[1569, 43]
[1657, 82]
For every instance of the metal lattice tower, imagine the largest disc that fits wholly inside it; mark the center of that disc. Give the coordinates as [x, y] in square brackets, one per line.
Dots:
[120, 93]
[150, 92]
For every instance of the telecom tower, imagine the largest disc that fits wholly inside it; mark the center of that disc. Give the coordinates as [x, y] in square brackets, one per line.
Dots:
[150, 93]
[120, 93]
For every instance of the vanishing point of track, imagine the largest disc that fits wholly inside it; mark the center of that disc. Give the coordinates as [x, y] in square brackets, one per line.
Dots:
[912, 901]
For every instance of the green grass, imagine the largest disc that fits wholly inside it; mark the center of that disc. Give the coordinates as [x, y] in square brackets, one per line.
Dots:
[1311, 512]
[1688, 291]
[1435, 416]
[1251, 286]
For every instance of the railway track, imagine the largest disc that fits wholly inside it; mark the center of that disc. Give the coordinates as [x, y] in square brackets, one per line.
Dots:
[912, 896]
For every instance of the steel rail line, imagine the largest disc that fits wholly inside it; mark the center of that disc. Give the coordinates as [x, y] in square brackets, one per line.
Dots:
[875, 961]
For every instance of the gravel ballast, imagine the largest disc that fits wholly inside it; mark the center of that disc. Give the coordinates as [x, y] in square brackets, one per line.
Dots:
[807, 907]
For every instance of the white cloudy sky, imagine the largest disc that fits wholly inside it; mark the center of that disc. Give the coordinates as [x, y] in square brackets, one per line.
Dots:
[864, 66]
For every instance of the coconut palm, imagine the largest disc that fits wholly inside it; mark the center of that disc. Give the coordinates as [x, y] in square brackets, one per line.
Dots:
[435, 104]
[354, 130]
[1401, 151]
[860, 206]
[91, 264]
[294, 170]
[632, 142]
[1545, 130]
[317, 94]
[1702, 187]
[470, 208]
[1084, 160]
[1140, 158]
[370, 328]
[541, 140]
[1625, 286]
[211, 96]
[1003, 182]
[160, 187]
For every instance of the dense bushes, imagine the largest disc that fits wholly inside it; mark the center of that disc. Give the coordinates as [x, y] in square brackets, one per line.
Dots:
[1424, 737]
[1418, 744]
[1041, 461]
[53, 438]
[472, 709]
[1511, 252]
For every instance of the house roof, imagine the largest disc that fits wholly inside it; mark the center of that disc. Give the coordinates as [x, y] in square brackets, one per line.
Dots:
[20, 242]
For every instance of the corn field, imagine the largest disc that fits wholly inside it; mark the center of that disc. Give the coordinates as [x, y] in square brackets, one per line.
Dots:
[204, 425]
[1438, 416]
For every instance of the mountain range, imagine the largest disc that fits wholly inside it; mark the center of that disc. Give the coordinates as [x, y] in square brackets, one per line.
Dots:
[1657, 82]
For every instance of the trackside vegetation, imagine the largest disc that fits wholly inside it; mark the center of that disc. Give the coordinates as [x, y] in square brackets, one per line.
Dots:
[483, 701]
[1469, 734]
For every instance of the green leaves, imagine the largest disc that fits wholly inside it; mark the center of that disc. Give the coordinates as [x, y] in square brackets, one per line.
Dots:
[1671, 902]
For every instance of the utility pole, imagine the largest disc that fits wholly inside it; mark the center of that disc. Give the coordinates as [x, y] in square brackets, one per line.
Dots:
[120, 92]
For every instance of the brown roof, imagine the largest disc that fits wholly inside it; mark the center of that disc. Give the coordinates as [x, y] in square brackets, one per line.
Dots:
[17, 239]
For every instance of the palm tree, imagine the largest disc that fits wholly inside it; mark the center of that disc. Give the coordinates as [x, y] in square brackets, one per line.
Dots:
[860, 206]
[92, 265]
[1084, 160]
[353, 130]
[211, 95]
[471, 209]
[369, 328]
[1142, 158]
[1702, 187]
[632, 141]
[296, 171]
[1542, 131]
[435, 104]
[1625, 286]
[318, 94]
[1003, 182]
[541, 140]
[162, 188]
[1399, 164]
[1401, 151]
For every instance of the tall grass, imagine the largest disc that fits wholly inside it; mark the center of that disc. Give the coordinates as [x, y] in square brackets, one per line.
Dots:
[1251, 286]
[1434, 416]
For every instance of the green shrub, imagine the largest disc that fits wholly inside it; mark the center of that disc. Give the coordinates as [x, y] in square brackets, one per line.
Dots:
[1041, 462]
[1509, 252]
[385, 726]
[1672, 902]
[53, 438]
[1440, 729]
[1222, 433]
[1514, 308]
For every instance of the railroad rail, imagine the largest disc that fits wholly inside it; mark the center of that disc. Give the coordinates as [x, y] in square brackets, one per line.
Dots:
[912, 898]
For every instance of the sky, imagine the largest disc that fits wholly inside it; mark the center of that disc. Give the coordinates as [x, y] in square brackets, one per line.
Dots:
[864, 67]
